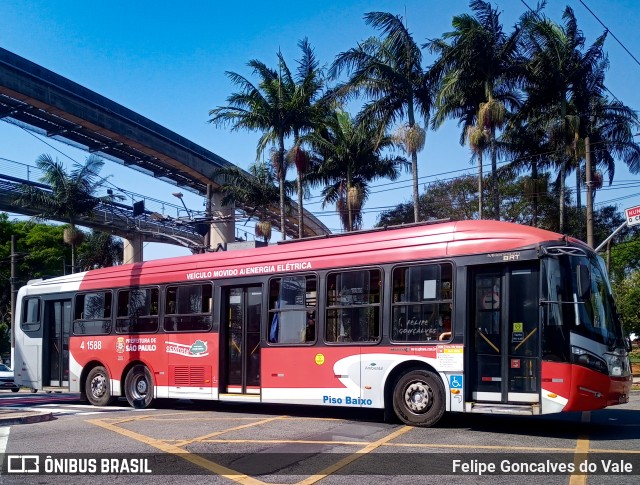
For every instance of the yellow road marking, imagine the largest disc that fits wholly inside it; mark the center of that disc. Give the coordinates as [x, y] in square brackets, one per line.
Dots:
[353, 457]
[235, 428]
[291, 442]
[582, 448]
[184, 454]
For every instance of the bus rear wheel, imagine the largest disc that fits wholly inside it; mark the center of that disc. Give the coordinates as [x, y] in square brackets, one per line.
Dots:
[418, 398]
[138, 387]
[98, 387]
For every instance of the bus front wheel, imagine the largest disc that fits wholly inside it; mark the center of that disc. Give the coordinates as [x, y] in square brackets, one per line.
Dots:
[138, 387]
[418, 398]
[98, 387]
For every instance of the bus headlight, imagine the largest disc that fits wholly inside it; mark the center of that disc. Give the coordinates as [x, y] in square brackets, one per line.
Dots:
[585, 358]
[618, 364]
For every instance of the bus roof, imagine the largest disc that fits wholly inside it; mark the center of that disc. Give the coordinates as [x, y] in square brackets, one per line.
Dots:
[412, 243]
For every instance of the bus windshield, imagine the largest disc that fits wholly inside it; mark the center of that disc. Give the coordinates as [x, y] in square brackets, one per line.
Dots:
[590, 313]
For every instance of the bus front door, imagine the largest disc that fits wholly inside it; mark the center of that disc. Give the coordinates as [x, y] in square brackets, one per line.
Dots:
[504, 335]
[55, 358]
[242, 352]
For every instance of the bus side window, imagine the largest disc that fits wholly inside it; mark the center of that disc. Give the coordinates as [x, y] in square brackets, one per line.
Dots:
[92, 314]
[30, 321]
[292, 318]
[353, 306]
[188, 308]
[422, 303]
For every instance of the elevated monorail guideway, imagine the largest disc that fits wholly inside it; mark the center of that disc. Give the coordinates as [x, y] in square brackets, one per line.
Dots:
[48, 103]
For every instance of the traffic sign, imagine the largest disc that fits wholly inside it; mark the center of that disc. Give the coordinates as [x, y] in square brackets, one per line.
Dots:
[633, 215]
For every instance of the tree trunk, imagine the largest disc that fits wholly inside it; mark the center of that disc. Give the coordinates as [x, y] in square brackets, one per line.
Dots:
[416, 197]
[578, 199]
[587, 146]
[414, 167]
[563, 174]
[534, 201]
[300, 209]
[349, 213]
[494, 175]
[480, 185]
[281, 179]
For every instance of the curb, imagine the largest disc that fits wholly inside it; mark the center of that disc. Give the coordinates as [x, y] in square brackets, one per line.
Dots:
[24, 418]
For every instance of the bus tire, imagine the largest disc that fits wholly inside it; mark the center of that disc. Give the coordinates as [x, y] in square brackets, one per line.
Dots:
[98, 387]
[419, 398]
[138, 387]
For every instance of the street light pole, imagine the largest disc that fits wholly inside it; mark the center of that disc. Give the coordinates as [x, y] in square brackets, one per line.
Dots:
[179, 195]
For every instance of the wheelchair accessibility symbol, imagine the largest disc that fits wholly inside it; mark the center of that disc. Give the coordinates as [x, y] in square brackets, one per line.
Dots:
[455, 382]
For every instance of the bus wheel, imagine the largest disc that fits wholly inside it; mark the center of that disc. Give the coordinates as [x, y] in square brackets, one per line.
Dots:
[98, 387]
[418, 398]
[138, 387]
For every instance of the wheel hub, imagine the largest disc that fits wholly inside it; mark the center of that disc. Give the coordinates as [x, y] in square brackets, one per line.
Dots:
[141, 387]
[418, 396]
[98, 386]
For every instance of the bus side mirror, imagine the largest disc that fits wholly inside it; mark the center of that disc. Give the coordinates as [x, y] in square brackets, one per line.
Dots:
[584, 282]
[627, 343]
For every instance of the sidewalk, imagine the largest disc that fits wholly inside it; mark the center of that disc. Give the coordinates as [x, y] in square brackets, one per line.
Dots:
[11, 416]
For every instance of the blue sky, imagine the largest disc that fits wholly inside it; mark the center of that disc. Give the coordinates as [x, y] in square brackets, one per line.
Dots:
[166, 60]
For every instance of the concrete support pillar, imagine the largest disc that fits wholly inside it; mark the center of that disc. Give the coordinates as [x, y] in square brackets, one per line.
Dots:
[221, 232]
[133, 248]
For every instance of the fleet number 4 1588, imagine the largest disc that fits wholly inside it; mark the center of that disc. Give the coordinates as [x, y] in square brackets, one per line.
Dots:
[91, 345]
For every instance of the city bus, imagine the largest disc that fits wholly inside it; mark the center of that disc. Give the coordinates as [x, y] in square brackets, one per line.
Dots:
[419, 320]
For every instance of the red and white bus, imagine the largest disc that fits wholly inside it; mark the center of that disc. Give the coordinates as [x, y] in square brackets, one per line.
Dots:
[473, 316]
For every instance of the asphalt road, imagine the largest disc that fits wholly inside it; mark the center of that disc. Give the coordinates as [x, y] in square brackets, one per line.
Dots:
[223, 443]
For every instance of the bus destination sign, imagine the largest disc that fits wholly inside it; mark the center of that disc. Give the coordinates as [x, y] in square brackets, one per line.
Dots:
[633, 215]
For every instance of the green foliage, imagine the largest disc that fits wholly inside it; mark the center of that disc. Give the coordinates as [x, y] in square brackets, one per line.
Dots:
[625, 256]
[41, 254]
[100, 250]
[71, 194]
[5, 339]
[627, 295]
[350, 155]
[256, 191]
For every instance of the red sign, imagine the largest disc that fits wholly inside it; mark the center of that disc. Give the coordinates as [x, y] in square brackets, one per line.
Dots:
[515, 363]
[633, 216]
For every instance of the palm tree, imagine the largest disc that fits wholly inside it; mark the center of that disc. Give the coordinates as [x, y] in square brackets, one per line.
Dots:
[527, 142]
[100, 250]
[263, 107]
[389, 72]
[477, 138]
[609, 136]
[306, 109]
[350, 156]
[71, 195]
[560, 81]
[478, 72]
[255, 190]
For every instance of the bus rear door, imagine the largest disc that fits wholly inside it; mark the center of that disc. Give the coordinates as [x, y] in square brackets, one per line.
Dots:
[240, 342]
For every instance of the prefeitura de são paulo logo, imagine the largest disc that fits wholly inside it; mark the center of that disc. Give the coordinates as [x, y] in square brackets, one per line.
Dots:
[120, 345]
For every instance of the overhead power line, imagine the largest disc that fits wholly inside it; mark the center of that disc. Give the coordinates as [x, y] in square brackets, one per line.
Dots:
[610, 32]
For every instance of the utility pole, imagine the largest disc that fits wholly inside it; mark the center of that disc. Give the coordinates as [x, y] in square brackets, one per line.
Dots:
[14, 291]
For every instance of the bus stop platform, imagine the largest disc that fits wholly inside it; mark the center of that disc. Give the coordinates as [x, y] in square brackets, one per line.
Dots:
[12, 416]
